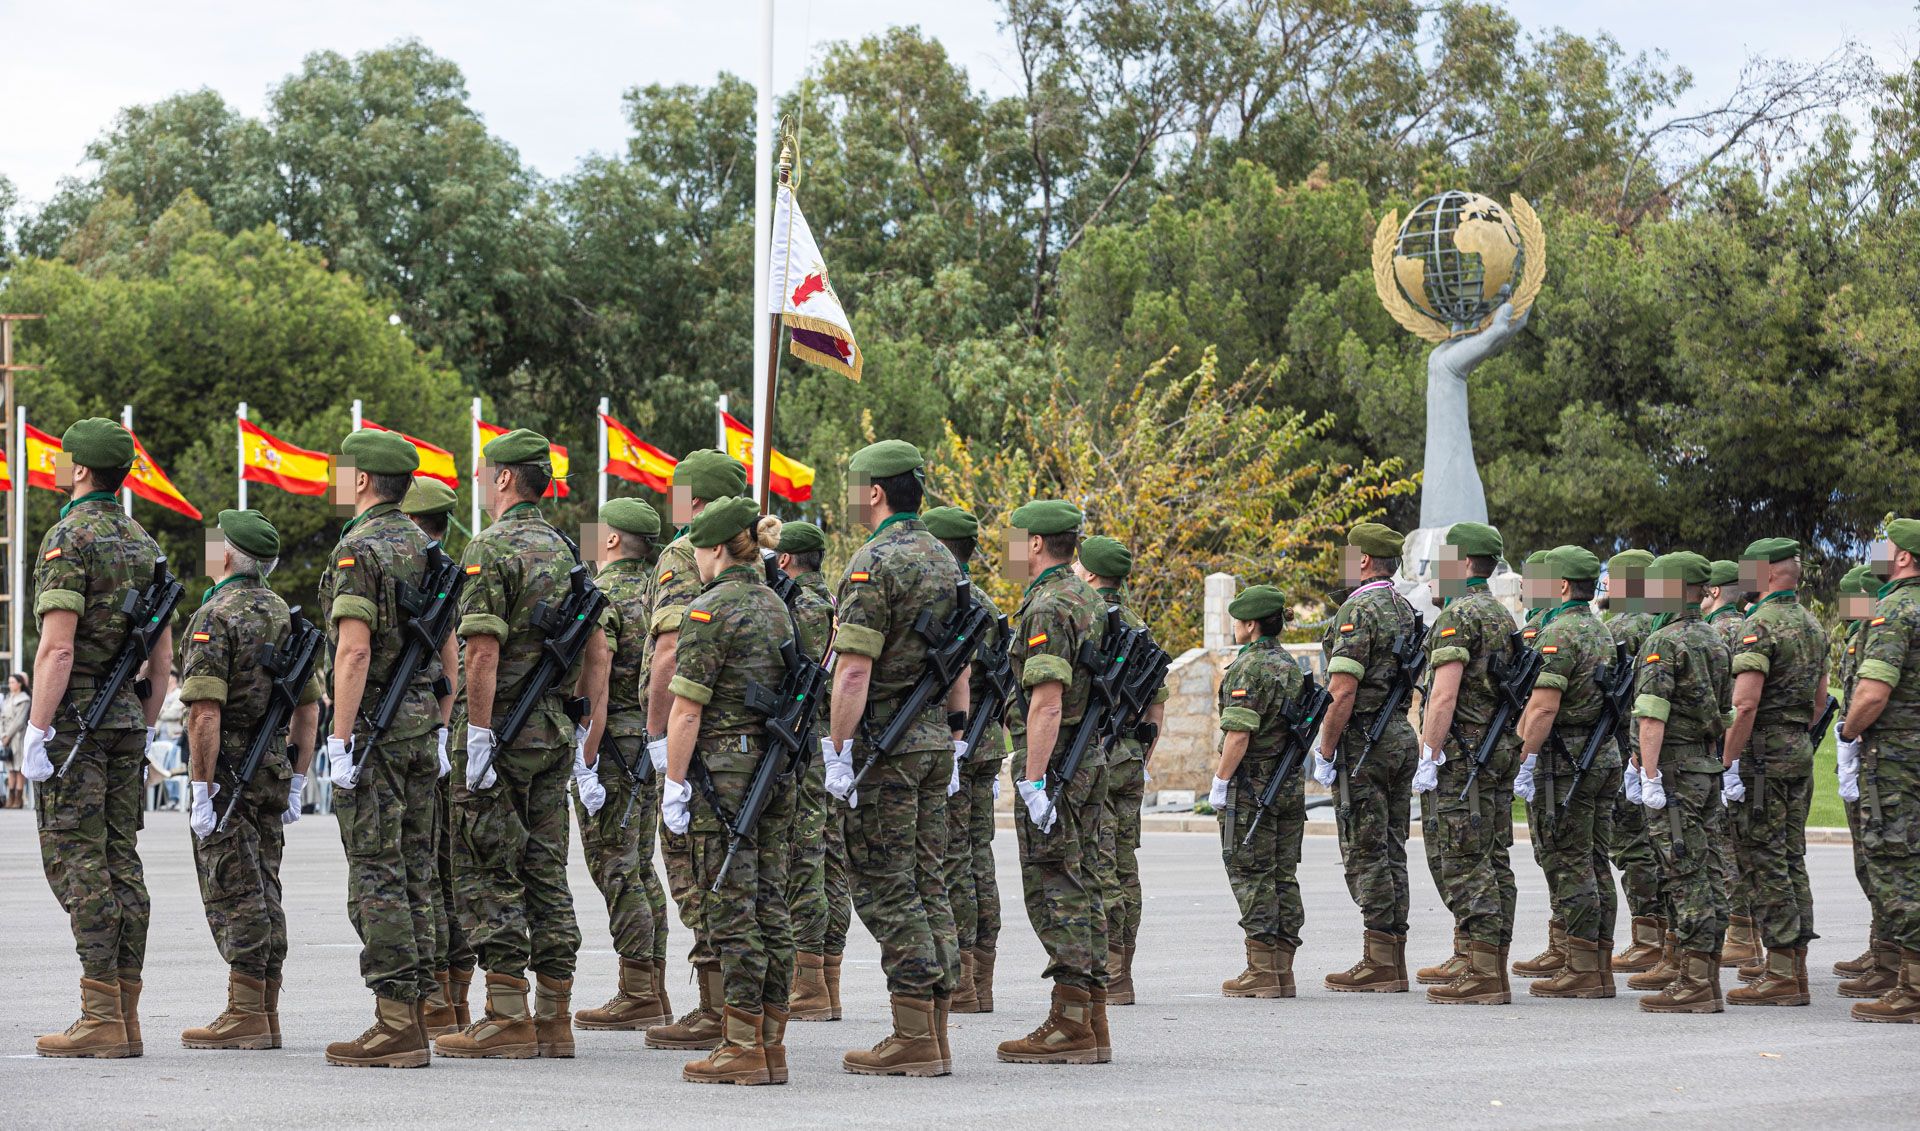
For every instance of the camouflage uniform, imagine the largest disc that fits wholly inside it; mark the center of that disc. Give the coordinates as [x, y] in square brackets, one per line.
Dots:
[388, 819]
[1259, 683]
[1784, 642]
[1683, 678]
[676, 584]
[1890, 763]
[1726, 620]
[1058, 869]
[1374, 808]
[1632, 848]
[896, 837]
[1120, 824]
[730, 640]
[90, 816]
[1850, 658]
[510, 841]
[1574, 644]
[817, 877]
[971, 884]
[239, 868]
[1467, 840]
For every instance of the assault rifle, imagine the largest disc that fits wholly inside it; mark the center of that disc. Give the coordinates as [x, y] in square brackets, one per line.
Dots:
[1818, 731]
[288, 667]
[1409, 664]
[149, 610]
[1513, 676]
[1145, 675]
[789, 711]
[996, 666]
[1105, 667]
[564, 633]
[1616, 706]
[950, 648]
[1302, 715]
[430, 611]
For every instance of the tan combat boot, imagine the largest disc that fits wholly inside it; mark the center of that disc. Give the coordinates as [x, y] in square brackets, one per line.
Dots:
[459, 983]
[1901, 1004]
[810, 1001]
[1482, 983]
[100, 1032]
[1120, 975]
[1376, 972]
[1581, 977]
[1662, 972]
[1269, 973]
[1742, 947]
[1854, 967]
[832, 972]
[700, 1028]
[1444, 972]
[660, 987]
[1065, 1037]
[1549, 961]
[1605, 948]
[130, 987]
[635, 1005]
[1800, 969]
[1695, 987]
[1097, 1018]
[966, 999]
[983, 957]
[243, 1025]
[273, 1009]
[1400, 959]
[912, 1049]
[773, 1042]
[1646, 949]
[506, 1032]
[1506, 987]
[1779, 984]
[738, 1059]
[394, 1040]
[436, 1012]
[553, 1016]
[1882, 975]
[942, 1007]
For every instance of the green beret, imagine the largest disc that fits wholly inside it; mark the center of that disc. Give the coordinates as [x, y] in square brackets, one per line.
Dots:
[97, 442]
[1723, 572]
[1905, 533]
[1257, 602]
[1772, 550]
[1572, 563]
[801, 538]
[721, 519]
[522, 445]
[1629, 561]
[710, 473]
[1476, 539]
[250, 533]
[427, 496]
[1376, 540]
[1046, 516]
[1105, 557]
[888, 457]
[1686, 565]
[631, 516]
[1859, 580]
[380, 453]
[1537, 557]
[951, 523]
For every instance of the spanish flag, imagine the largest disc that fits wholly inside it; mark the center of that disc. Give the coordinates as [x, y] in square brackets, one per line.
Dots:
[273, 461]
[635, 460]
[556, 454]
[150, 483]
[42, 453]
[6, 473]
[789, 479]
[435, 462]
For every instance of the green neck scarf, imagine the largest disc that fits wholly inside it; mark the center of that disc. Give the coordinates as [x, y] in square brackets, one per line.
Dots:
[1689, 612]
[1472, 582]
[1778, 594]
[897, 516]
[1044, 574]
[224, 582]
[1262, 642]
[89, 497]
[1884, 589]
[1562, 607]
[375, 509]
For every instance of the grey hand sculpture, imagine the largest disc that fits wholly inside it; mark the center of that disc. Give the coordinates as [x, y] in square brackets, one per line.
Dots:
[1450, 490]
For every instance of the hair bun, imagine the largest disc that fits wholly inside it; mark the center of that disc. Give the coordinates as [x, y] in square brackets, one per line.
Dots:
[767, 531]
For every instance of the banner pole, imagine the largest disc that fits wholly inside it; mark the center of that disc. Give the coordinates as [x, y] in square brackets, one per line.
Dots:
[474, 436]
[356, 415]
[126, 493]
[17, 617]
[606, 406]
[241, 469]
[762, 256]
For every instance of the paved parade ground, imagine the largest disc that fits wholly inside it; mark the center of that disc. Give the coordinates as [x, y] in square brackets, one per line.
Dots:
[1184, 1057]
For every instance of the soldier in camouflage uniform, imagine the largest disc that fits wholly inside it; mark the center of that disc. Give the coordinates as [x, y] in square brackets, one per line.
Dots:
[1682, 680]
[226, 691]
[1058, 824]
[1724, 608]
[510, 826]
[618, 840]
[1779, 688]
[1105, 564]
[1879, 748]
[1877, 970]
[896, 826]
[90, 815]
[1651, 945]
[1571, 825]
[1375, 803]
[729, 642]
[1254, 692]
[698, 478]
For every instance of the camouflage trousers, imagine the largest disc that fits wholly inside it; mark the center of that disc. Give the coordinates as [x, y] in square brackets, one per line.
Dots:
[1372, 816]
[1119, 845]
[510, 862]
[1890, 828]
[239, 872]
[1059, 875]
[90, 818]
[1727, 869]
[747, 922]
[683, 883]
[1769, 832]
[451, 950]
[387, 823]
[1467, 840]
[817, 871]
[610, 840]
[1683, 834]
[1572, 850]
[1263, 872]
[971, 883]
[1637, 862]
[896, 840]
[1879, 927]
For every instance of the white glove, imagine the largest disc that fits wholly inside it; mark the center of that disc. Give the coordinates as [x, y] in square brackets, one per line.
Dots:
[839, 769]
[1847, 750]
[480, 773]
[341, 769]
[959, 756]
[675, 796]
[1146, 775]
[35, 766]
[996, 787]
[202, 820]
[586, 781]
[1426, 777]
[147, 751]
[1732, 789]
[446, 767]
[657, 754]
[1652, 793]
[294, 789]
[1033, 794]
[1323, 769]
[1217, 794]
[1523, 783]
[580, 731]
[1849, 782]
[1630, 781]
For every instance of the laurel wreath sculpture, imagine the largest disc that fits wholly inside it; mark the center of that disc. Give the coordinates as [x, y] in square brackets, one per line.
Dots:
[1533, 242]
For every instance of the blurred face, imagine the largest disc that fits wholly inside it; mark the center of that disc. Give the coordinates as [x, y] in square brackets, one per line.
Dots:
[1354, 565]
[64, 473]
[1537, 586]
[347, 484]
[1453, 572]
[213, 554]
[1022, 548]
[1857, 606]
[862, 500]
[1626, 591]
[1753, 576]
[1666, 594]
[682, 507]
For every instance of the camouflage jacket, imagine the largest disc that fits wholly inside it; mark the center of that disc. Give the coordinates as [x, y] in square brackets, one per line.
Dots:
[221, 660]
[1631, 629]
[1058, 613]
[900, 573]
[1471, 630]
[1574, 645]
[1259, 683]
[628, 584]
[730, 640]
[1359, 643]
[1726, 621]
[1684, 676]
[1889, 655]
[1850, 663]
[377, 551]
[676, 582]
[1786, 644]
[1128, 748]
[813, 611]
[89, 561]
[517, 563]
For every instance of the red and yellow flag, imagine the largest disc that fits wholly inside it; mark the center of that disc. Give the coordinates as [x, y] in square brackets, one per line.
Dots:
[435, 462]
[556, 454]
[6, 473]
[150, 483]
[789, 479]
[42, 454]
[635, 460]
[269, 459]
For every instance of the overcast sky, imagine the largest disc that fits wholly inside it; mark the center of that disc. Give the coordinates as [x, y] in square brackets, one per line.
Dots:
[547, 77]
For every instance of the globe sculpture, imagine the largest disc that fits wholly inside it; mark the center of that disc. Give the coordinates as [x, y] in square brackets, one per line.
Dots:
[1456, 258]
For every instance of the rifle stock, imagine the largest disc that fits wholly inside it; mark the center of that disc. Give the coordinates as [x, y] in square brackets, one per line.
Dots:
[149, 611]
[1514, 675]
[1302, 714]
[289, 667]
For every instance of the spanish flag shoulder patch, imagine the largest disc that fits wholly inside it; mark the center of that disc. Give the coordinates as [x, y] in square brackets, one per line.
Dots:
[346, 563]
[53, 553]
[1446, 632]
[1036, 640]
[202, 637]
[1238, 693]
[1347, 627]
[1750, 638]
[1653, 657]
[1876, 622]
[860, 575]
[1550, 650]
[666, 577]
[473, 569]
[701, 615]
[1852, 648]
[1530, 634]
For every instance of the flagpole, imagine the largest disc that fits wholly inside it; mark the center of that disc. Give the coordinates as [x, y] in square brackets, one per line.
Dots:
[240, 470]
[763, 392]
[356, 415]
[17, 617]
[126, 493]
[474, 436]
[720, 421]
[606, 406]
